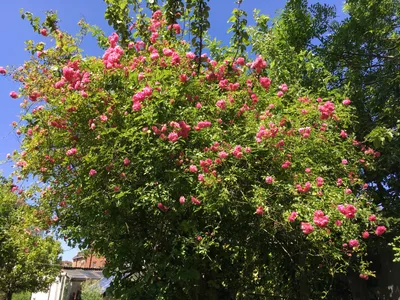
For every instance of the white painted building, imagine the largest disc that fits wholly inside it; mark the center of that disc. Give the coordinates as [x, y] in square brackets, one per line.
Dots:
[68, 283]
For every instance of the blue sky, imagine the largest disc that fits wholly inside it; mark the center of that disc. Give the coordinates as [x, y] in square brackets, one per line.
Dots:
[14, 31]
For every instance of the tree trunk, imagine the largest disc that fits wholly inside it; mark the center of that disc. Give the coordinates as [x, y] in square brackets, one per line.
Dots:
[304, 292]
[9, 295]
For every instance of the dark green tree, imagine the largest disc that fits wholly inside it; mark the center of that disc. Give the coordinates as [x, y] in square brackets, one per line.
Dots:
[29, 261]
[358, 55]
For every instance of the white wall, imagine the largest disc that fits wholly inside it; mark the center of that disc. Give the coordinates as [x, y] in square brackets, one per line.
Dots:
[53, 293]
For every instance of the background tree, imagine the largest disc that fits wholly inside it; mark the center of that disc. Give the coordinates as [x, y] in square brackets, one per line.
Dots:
[358, 56]
[91, 290]
[29, 261]
[361, 52]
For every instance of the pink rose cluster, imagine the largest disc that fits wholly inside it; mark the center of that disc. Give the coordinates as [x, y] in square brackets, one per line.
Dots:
[258, 64]
[305, 189]
[348, 210]
[139, 97]
[221, 104]
[326, 110]
[265, 82]
[237, 151]
[176, 27]
[224, 84]
[283, 89]
[71, 152]
[113, 54]
[202, 124]
[75, 78]
[305, 132]
[320, 219]
[307, 228]
[179, 129]
[264, 133]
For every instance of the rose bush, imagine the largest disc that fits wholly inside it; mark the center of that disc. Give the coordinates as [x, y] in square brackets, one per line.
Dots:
[194, 177]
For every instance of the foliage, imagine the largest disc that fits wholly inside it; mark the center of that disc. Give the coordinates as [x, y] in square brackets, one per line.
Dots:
[28, 260]
[195, 178]
[358, 56]
[22, 296]
[91, 291]
[362, 54]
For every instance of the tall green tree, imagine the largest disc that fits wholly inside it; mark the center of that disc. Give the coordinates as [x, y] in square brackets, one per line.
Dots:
[29, 261]
[359, 55]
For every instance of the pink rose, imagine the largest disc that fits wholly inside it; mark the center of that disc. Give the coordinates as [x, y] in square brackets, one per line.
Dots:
[173, 137]
[136, 106]
[200, 177]
[13, 95]
[283, 87]
[307, 228]
[260, 210]
[265, 82]
[346, 102]
[221, 104]
[363, 276]
[292, 217]
[348, 210]
[193, 169]
[380, 230]
[71, 152]
[92, 172]
[269, 179]
[195, 201]
[320, 219]
[354, 243]
[222, 154]
[43, 31]
[320, 181]
[190, 55]
[162, 207]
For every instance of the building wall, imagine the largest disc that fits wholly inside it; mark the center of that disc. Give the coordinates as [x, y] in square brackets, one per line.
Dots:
[53, 293]
[91, 261]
